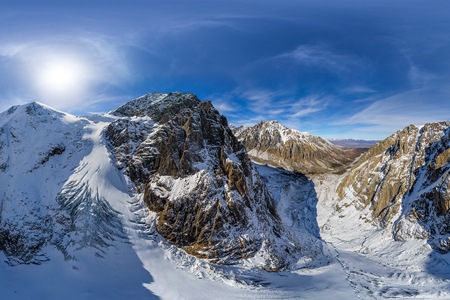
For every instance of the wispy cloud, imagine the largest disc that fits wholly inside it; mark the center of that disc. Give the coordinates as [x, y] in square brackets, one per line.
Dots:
[237, 120]
[394, 112]
[308, 106]
[280, 105]
[320, 56]
[11, 50]
[420, 78]
[358, 89]
[281, 102]
[264, 101]
[224, 103]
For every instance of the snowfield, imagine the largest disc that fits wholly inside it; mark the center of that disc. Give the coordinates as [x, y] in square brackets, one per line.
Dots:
[376, 266]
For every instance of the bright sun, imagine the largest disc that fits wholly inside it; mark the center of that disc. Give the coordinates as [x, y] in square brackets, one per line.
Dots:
[61, 77]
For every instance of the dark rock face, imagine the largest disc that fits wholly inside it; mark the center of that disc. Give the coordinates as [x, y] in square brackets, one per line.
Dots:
[269, 142]
[22, 244]
[381, 175]
[404, 181]
[197, 177]
[432, 201]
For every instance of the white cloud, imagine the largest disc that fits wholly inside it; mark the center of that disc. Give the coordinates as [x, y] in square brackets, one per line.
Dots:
[392, 113]
[358, 89]
[318, 55]
[305, 111]
[265, 101]
[265, 104]
[238, 119]
[224, 106]
[261, 95]
[420, 78]
[309, 105]
[11, 50]
[279, 104]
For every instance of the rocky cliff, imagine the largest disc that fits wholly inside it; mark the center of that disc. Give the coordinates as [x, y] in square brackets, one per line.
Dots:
[269, 142]
[210, 201]
[402, 183]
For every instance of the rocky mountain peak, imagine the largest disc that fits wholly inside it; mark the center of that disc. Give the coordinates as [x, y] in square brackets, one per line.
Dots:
[31, 111]
[198, 178]
[155, 105]
[270, 142]
[275, 128]
[403, 181]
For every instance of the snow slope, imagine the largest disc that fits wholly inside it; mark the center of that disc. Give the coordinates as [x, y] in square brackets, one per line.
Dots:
[376, 266]
[69, 263]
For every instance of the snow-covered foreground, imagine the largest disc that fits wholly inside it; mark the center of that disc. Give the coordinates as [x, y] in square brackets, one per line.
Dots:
[376, 266]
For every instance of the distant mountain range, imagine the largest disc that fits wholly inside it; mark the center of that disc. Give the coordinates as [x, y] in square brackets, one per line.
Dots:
[352, 143]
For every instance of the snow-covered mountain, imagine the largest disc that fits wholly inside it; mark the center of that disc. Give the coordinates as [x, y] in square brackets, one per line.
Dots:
[193, 173]
[402, 183]
[387, 216]
[47, 199]
[270, 142]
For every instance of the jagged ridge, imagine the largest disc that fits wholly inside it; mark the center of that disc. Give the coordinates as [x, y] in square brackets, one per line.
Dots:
[403, 180]
[198, 178]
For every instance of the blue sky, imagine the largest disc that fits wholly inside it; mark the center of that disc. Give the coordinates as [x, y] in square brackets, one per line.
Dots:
[360, 69]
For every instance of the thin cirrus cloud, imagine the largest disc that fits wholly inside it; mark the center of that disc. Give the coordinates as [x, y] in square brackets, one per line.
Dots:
[320, 56]
[308, 106]
[279, 105]
[389, 114]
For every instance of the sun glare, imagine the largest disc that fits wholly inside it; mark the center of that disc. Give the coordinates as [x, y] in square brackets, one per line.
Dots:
[61, 77]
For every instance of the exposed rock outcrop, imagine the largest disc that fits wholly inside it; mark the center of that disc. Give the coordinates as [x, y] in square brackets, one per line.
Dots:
[210, 201]
[403, 180]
